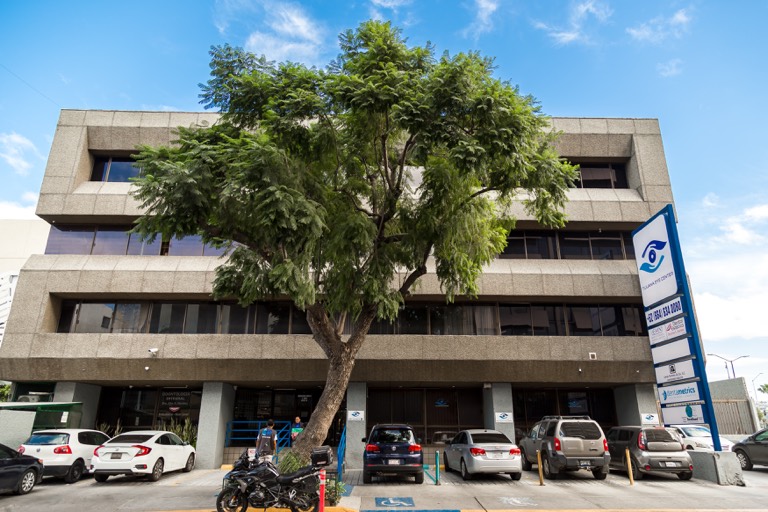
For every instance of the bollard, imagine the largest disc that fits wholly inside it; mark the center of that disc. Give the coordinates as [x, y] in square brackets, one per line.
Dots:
[538, 464]
[629, 467]
[321, 504]
[437, 468]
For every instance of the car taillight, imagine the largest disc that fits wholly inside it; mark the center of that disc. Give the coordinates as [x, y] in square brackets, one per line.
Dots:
[690, 467]
[558, 446]
[605, 445]
[413, 448]
[66, 450]
[641, 440]
[477, 451]
[20, 449]
[372, 448]
[514, 451]
[143, 450]
[96, 451]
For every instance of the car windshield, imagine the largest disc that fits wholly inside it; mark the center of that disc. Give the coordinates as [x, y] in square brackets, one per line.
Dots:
[490, 437]
[130, 438]
[697, 431]
[47, 438]
[392, 435]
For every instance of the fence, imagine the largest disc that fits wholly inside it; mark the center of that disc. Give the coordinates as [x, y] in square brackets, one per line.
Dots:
[734, 417]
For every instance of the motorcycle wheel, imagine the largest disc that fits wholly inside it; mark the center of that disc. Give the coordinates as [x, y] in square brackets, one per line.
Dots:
[312, 508]
[231, 500]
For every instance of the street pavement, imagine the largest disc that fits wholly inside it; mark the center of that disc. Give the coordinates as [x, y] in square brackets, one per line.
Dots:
[577, 491]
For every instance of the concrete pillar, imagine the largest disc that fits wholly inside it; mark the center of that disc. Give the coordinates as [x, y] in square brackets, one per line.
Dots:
[357, 396]
[497, 408]
[633, 402]
[217, 408]
[88, 394]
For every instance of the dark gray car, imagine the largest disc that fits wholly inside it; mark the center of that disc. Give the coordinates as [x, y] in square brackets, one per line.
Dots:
[651, 450]
[753, 449]
[566, 443]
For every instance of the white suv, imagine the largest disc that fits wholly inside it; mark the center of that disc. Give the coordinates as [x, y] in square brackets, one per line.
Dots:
[65, 452]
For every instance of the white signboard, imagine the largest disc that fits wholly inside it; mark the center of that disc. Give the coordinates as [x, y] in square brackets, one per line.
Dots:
[675, 371]
[650, 419]
[682, 415]
[664, 311]
[655, 266]
[679, 393]
[667, 331]
[355, 415]
[504, 417]
[670, 351]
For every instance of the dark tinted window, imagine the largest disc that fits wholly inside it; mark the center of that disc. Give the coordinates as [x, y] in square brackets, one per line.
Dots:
[94, 317]
[582, 429]
[70, 240]
[234, 319]
[658, 435]
[489, 437]
[551, 428]
[515, 319]
[299, 324]
[130, 438]
[625, 435]
[392, 435]
[43, 438]
[167, 318]
[187, 246]
[114, 169]
[606, 246]
[413, 320]
[272, 318]
[575, 246]
[601, 175]
[584, 321]
[110, 241]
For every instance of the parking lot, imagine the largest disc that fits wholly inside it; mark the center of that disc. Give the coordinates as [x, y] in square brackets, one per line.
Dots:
[195, 491]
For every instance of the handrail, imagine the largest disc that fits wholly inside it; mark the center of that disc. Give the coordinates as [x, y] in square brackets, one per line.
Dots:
[244, 430]
[340, 452]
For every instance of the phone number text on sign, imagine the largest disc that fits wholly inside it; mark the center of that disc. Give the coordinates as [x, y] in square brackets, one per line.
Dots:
[664, 311]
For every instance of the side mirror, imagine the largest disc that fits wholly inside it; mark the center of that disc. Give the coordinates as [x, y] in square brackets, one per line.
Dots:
[418, 440]
[364, 440]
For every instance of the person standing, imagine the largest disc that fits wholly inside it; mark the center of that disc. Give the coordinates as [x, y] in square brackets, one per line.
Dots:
[266, 442]
[296, 428]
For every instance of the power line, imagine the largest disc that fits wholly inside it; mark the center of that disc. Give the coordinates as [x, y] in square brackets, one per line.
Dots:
[29, 85]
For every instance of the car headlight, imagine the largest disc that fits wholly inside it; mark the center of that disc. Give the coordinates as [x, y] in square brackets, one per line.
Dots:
[699, 444]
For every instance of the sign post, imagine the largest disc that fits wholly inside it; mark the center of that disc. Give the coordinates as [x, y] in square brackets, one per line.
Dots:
[681, 377]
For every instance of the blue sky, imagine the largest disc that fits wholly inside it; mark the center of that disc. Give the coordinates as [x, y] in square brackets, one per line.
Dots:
[698, 66]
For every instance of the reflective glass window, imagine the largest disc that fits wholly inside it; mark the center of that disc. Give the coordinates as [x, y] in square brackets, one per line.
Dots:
[548, 320]
[584, 321]
[67, 316]
[515, 248]
[540, 245]
[234, 319]
[94, 317]
[186, 246]
[131, 318]
[632, 320]
[299, 324]
[382, 326]
[413, 319]
[453, 320]
[167, 318]
[138, 248]
[122, 169]
[201, 318]
[574, 246]
[629, 247]
[209, 250]
[515, 319]
[606, 246]
[272, 318]
[70, 240]
[110, 240]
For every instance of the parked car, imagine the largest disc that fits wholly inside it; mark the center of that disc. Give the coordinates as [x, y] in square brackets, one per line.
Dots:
[566, 443]
[699, 437]
[392, 449]
[483, 451]
[144, 452]
[651, 450]
[753, 449]
[65, 452]
[18, 472]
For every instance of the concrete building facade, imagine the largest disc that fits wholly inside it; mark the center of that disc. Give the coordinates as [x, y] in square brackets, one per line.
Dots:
[130, 329]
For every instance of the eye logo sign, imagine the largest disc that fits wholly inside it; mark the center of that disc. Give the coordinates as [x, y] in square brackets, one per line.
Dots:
[650, 253]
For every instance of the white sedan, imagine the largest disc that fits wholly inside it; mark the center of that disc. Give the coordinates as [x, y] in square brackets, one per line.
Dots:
[483, 451]
[144, 452]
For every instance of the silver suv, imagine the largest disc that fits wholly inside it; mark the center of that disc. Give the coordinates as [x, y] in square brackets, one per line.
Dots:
[651, 450]
[566, 443]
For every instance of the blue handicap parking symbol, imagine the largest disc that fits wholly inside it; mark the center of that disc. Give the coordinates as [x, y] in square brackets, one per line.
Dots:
[394, 502]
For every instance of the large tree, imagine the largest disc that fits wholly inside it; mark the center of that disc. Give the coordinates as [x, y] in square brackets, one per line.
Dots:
[334, 188]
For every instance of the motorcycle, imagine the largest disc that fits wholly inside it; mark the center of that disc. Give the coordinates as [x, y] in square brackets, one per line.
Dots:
[263, 486]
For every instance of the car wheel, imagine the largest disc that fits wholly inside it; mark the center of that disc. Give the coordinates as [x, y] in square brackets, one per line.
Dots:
[100, 478]
[515, 476]
[527, 466]
[464, 473]
[27, 482]
[75, 472]
[445, 463]
[157, 471]
[636, 474]
[419, 478]
[685, 476]
[599, 474]
[190, 463]
[546, 468]
[366, 477]
[746, 464]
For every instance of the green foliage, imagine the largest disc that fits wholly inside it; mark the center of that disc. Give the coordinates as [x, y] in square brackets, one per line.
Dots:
[185, 430]
[763, 388]
[110, 430]
[5, 392]
[291, 461]
[334, 490]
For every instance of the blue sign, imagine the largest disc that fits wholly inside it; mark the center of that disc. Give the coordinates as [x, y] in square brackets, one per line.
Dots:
[667, 301]
[394, 502]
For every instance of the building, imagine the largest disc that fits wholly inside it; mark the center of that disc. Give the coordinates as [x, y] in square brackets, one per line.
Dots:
[130, 329]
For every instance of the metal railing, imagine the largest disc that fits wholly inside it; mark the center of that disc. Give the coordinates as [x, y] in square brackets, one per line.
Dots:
[340, 452]
[247, 430]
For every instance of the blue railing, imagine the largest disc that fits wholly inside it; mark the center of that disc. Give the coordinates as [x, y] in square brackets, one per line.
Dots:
[245, 430]
[340, 452]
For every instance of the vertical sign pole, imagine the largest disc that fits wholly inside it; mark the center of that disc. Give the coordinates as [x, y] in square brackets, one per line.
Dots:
[321, 505]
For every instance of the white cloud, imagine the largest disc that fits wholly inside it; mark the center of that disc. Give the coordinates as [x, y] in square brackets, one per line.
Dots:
[291, 21]
[737, 233]
[670, 68]
[483, 21]
[227, 11]
[279, 49]
[711, 200]
[20, 210]
[757, 213]
[578, 16]
[390, 4]
[17, 151]
[660, 28]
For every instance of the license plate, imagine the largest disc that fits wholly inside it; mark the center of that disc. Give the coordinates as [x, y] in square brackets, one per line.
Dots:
[116, 455]
[393, 462]
[584, 463]
[671, 464]
[494, 455]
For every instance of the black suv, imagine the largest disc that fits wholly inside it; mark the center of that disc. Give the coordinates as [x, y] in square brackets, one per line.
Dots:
[392, 448]
[566, 443]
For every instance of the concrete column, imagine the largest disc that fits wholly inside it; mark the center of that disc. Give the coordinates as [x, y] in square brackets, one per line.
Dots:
[357, 396]
[88, 394]
[216, 410]
[497, 398]
[634, 401]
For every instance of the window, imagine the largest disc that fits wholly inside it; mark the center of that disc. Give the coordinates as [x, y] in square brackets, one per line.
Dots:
[114, 169]
[131, 318]
[201, 319]
[186, 246]
[235, 319]
[601, 175]
[110, 240]
[530, 245]
[167, 318]
[272, 318]
[70, 240]
[94, 318]
[584, 321]
[137, 247]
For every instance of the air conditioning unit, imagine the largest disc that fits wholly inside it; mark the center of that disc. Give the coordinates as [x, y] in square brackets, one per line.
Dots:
[30, 398]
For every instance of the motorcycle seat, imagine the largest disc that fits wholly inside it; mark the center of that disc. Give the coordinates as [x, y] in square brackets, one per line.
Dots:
[287, 479]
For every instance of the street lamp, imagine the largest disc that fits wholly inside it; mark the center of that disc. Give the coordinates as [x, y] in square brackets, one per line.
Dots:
[753, 385]
[726, 363]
